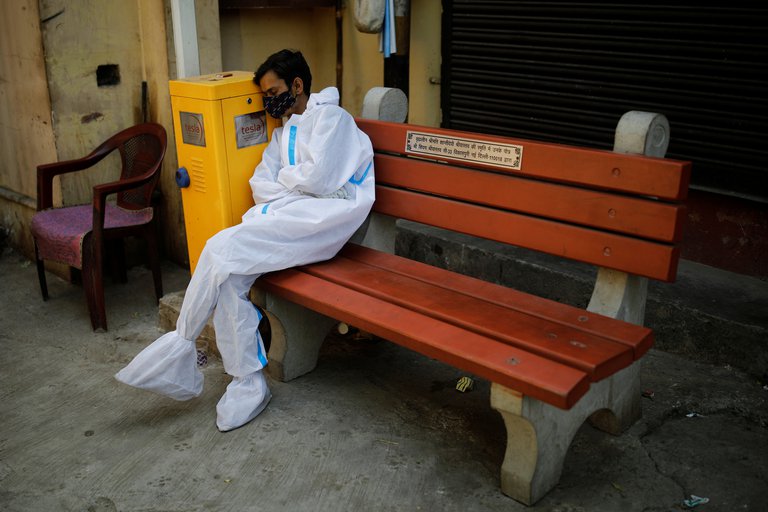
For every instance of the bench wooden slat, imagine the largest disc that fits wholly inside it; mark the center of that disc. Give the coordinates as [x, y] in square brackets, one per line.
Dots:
[637, 337]
[533, 375]
[598, 357]
[663, 178]
[644, 258]
[600, 209]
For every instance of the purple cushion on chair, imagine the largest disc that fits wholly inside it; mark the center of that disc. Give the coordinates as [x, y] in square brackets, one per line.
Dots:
[59, 232]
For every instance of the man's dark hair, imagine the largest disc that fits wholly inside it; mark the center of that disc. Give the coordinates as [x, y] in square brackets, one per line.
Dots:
[286, 64]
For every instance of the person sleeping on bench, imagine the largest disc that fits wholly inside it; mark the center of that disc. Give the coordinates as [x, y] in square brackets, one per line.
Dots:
[312, 190]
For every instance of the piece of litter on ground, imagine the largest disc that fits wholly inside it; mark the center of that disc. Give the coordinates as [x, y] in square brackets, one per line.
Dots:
[387, 442]
[695, 501]
[617, 487]
[465, 384]
[694, 415]
[648, 394]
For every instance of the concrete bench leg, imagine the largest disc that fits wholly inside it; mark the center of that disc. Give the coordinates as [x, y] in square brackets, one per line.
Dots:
[538, 434]
[297, 335]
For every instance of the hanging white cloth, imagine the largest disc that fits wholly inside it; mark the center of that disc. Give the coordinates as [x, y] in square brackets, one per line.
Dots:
[313, 188]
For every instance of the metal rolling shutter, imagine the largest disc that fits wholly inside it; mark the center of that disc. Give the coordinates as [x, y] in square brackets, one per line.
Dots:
[565, 71]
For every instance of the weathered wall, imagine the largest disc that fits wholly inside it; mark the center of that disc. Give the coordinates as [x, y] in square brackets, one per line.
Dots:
[363, 64]
[156, 53]
[726, 232]
[26, 134]
[208, 37]
[249, 36]
[425, 60]
[136, 36]
[54, 109]
[78, 38]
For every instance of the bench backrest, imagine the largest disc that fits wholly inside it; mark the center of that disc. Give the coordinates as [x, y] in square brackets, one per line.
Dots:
[608, 209]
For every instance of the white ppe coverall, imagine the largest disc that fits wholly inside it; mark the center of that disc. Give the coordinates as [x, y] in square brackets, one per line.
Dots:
[313, 188]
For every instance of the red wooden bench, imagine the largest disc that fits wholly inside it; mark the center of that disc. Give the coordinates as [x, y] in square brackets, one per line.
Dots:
[551, 365]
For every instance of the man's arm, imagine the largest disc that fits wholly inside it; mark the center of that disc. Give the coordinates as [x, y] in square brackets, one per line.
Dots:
[264, 185]
[336, 149]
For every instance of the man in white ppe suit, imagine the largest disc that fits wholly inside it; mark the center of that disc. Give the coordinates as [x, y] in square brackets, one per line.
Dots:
[313, 189]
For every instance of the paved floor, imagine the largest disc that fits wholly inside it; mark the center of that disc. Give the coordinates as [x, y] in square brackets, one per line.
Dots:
[373, 428]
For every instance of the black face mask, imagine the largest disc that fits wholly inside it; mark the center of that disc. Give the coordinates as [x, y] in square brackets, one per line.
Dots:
[277, 105]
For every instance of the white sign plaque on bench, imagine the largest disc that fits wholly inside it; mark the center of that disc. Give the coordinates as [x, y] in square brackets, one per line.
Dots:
[469, 150]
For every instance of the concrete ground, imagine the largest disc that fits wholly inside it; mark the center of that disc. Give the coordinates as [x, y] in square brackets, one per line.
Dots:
[373, 428]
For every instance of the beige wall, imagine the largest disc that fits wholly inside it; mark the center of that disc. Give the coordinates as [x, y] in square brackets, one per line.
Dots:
[52, 108]
[26, 133]
[249, 36]
[425, 60]
[363, 64]
[85, 114]
[157, 65]
[134, 34]
[25, 117]
[208, 36]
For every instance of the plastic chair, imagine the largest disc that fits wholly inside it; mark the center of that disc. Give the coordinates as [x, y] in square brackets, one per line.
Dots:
[77, 235]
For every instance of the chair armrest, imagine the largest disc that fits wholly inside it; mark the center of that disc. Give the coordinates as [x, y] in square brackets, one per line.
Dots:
[102, 191]
[46, 173]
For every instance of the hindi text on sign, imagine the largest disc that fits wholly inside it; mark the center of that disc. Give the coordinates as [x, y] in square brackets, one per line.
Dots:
[471, 150]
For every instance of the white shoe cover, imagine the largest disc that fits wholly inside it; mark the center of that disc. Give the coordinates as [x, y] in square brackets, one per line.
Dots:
[168, 367]
[244, 399]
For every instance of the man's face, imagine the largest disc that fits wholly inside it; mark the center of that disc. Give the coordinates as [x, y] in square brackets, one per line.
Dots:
[272, 85]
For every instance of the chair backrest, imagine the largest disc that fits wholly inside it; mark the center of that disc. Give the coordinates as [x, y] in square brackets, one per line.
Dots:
[142, 149]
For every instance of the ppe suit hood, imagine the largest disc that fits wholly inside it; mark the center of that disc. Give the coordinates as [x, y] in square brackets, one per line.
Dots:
[328, 96]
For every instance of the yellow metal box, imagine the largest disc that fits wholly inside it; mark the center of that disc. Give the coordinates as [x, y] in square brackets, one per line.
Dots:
[221, 132]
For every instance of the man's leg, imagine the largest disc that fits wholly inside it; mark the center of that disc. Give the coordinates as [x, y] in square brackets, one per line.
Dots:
[236, 321]
[202, 295]
[169, 365]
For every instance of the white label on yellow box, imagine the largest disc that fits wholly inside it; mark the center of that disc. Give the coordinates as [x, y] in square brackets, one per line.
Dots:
[469, 150]
[192, 128]
[250, 129]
